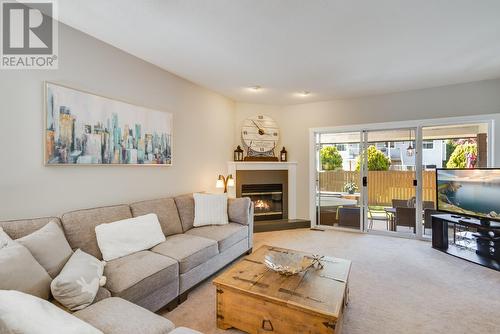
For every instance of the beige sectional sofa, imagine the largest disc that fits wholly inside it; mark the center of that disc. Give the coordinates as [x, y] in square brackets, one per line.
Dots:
[159, 276]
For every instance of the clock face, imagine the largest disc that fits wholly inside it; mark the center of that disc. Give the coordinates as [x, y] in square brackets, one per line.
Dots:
[260, 133]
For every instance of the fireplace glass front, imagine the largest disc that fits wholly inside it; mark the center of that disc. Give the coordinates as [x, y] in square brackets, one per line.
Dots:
[267, 200]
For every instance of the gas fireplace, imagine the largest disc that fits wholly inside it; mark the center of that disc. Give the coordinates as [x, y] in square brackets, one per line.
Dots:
[267, 200]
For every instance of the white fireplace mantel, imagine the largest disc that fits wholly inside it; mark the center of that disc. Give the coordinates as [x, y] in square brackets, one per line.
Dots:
[290, 166]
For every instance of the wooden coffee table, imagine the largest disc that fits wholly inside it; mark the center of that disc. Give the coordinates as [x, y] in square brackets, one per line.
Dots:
[255, 299]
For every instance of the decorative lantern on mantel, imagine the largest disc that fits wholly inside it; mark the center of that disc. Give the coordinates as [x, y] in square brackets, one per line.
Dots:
[283, 154]
[238, 154]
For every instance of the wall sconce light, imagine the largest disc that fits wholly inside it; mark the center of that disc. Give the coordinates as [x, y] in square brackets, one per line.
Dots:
[224, 182]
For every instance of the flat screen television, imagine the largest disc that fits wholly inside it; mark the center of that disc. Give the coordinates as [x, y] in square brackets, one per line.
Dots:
[469, 192]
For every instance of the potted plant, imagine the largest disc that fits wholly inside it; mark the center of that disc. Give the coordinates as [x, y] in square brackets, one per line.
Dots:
[350, 187]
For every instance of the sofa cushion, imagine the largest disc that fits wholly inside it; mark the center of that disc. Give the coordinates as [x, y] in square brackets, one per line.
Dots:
[19, 228]
[102, 293]
[165, 209]
[185, 207]
[225, 235]
[49, 247]
[189, 250]
[135, 276]
[80, 226]
[117, 316]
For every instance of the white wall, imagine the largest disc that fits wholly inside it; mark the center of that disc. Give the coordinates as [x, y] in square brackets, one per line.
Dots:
[202, 143]
[296, 120]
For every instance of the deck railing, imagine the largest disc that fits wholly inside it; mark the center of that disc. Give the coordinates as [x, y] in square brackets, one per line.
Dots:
[383, 186]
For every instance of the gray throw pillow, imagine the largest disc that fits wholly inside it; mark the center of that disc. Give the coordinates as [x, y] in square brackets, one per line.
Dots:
[20, 271]
[77, 284]
[49, 247]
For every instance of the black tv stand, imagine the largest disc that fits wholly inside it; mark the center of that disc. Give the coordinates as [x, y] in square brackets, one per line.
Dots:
[487, 238]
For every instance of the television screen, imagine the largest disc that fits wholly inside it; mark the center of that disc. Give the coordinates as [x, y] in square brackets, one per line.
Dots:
[469, 192]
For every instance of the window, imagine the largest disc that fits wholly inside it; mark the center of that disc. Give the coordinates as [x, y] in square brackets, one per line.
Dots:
[341, 147]
[428, 145]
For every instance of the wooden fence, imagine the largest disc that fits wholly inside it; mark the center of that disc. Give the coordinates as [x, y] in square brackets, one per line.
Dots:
[383, 186]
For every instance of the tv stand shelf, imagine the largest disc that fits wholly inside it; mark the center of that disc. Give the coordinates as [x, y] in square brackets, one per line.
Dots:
[440, 238]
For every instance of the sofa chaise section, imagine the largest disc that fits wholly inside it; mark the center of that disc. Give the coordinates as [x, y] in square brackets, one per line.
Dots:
[123, 317]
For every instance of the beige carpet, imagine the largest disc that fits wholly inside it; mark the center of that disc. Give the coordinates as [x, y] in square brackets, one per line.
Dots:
[396, 285]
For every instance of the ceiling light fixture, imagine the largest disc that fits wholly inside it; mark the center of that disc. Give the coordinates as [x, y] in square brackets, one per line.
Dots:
[305, 93]
[256, 88]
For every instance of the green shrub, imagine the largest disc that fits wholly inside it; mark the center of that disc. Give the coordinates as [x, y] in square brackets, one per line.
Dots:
[330, 158]
[376, 159]
[458, 158]
[450, 147]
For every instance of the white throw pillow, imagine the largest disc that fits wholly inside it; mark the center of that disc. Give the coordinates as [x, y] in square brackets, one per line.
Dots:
[128, 236]
[77, 284]
[27, 314]
[210, 209]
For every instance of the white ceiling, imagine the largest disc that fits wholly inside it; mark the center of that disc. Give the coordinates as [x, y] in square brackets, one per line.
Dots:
[335, 49]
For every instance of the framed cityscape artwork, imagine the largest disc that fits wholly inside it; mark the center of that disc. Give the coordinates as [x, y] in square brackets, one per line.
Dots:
[87, 129]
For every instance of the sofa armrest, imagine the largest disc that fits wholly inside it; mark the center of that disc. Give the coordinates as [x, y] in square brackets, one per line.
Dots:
[240, 210]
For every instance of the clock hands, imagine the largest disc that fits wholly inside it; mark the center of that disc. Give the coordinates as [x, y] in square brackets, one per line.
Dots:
[261, 132]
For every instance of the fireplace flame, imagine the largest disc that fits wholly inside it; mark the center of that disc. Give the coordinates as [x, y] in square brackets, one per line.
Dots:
[260, 204]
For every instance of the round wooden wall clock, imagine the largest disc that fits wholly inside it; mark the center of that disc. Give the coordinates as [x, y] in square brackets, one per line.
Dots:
[260, 135]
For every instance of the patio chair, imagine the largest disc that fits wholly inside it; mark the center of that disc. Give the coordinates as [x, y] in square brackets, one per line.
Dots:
[377, 214]
[349, 217]
[399, 203]
[405, 217]
[428, 205]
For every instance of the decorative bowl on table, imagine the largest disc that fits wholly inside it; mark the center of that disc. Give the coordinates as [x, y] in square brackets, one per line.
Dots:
[288, 263]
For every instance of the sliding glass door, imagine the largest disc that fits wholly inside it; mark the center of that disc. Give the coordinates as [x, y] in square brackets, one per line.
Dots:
[391, 181]
[383, 180]
[366, 180]
[338, 180]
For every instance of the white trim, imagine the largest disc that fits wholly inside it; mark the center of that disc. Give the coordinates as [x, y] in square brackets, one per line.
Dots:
[312, 178]
[418, 125]
[290, 166]
[418, 177]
